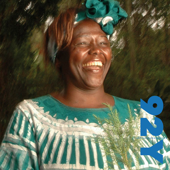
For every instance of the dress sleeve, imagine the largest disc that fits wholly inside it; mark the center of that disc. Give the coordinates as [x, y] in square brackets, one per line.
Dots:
[18, 148]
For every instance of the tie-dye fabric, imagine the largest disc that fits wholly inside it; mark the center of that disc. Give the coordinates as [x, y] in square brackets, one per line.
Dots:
[48, 135]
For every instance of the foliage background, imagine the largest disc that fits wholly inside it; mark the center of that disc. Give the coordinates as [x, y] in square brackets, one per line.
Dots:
[141, 65]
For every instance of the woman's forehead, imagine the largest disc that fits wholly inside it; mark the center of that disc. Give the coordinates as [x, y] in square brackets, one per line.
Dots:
[87, 27]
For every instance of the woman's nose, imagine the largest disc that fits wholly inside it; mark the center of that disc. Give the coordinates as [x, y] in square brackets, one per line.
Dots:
[95, 49]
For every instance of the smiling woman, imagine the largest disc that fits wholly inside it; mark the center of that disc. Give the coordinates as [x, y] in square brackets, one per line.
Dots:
[84, 64]
[54, 131]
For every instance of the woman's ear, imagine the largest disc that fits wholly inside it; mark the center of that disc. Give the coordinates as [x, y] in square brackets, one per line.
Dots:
[57, 64]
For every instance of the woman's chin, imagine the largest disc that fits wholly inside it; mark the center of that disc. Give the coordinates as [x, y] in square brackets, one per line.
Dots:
[94, 84]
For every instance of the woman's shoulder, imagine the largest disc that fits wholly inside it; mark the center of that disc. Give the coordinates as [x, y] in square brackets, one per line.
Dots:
[121, 102]
[125, 106]
[37, 100]
[29, 105]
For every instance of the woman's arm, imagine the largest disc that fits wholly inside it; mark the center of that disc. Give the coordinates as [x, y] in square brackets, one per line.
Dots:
[18, 149]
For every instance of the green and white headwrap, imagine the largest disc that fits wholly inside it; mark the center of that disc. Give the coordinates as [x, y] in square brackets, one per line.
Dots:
[107, 13]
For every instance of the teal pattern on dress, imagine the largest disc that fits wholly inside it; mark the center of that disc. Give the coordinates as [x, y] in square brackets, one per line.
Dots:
[45, 134]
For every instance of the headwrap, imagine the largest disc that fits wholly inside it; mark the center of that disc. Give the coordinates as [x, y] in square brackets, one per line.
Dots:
[107, 13]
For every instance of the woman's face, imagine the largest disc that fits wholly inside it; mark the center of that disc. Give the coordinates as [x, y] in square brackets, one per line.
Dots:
[88, 57]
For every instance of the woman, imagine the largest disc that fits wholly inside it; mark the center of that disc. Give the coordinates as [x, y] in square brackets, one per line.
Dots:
[53, 131]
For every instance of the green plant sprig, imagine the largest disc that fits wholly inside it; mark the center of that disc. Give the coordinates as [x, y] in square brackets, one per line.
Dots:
[119, 138]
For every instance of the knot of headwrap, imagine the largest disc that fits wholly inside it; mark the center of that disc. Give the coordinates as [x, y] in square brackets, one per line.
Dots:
[107, 13]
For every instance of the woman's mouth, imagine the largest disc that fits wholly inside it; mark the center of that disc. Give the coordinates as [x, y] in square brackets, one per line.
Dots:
[93, 64]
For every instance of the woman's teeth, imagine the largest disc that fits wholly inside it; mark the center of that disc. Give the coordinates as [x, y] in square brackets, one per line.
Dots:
[95, 63]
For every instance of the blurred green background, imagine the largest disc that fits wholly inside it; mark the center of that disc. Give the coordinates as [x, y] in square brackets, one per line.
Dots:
[140, 69]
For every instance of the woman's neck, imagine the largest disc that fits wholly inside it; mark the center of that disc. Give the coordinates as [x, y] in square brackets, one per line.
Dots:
[80, 98]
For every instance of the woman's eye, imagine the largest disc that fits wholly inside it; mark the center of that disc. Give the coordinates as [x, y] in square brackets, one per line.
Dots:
[104, 43]
[82, 43]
